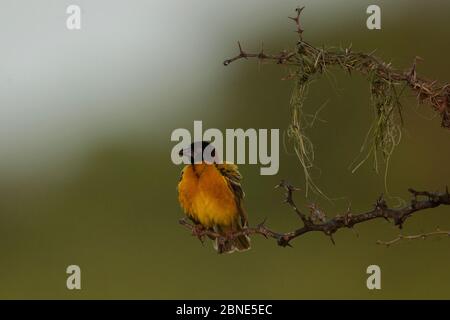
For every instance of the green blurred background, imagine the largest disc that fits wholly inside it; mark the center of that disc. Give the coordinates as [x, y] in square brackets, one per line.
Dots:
[86, 175]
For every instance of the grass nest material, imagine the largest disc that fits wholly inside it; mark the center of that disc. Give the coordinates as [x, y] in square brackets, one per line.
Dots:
[387, 85]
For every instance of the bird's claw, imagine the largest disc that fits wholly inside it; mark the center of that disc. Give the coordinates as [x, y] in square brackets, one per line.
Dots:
[198, 231]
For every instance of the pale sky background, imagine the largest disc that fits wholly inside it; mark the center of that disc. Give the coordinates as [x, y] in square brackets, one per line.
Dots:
[61, 89]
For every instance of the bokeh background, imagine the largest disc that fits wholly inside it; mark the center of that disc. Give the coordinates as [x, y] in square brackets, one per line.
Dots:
[86, 175]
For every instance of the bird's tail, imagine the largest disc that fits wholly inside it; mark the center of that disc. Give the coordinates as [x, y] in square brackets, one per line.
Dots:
[240, 243]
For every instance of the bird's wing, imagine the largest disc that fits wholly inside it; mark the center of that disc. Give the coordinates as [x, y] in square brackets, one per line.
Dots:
[231, 173]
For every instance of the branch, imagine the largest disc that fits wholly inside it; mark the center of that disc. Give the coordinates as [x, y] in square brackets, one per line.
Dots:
[282, 58]
[414, 237]
[296, 19]
[317, 221]
[314, 60]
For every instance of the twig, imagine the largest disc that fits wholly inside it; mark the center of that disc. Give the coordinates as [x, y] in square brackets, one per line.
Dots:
[297, 21]
[414, 237]
[280, 58]
[330, 226]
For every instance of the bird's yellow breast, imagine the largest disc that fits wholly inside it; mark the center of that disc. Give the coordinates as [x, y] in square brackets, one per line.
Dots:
[205, 196]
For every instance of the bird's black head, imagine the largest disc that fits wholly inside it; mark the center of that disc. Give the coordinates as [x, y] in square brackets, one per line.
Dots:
[199, 151]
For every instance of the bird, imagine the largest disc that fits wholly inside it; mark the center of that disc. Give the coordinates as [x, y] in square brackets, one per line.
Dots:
[211, 196]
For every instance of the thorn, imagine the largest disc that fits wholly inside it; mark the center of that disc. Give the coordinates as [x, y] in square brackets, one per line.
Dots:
[299, 10]
[241, 51]
[349, 208]
[347, 50]
[381, 203]
[412, 73]
[332, 239]
[240, 47]
[287, 186]
[261, 224]
[202, 241]
[347, 217]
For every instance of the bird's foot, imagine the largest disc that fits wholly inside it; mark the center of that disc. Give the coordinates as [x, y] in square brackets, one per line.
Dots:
[198, 231]
[229, 234]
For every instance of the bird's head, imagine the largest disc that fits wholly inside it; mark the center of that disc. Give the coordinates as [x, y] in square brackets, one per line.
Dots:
[199, 152]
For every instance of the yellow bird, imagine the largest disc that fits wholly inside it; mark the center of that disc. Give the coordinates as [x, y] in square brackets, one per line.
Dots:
[211, 196]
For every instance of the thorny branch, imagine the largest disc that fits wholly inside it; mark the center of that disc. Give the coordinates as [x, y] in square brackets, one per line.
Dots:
[437, 95]
[316, 221]
[387, 85]
[423, 236]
